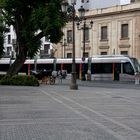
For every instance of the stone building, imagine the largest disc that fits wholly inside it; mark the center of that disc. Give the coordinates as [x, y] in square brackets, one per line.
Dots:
[115, 30]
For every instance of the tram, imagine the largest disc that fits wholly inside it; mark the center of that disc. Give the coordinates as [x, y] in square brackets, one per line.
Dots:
[103, 67]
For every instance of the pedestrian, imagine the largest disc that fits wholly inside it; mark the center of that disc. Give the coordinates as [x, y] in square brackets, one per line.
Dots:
[60, 76]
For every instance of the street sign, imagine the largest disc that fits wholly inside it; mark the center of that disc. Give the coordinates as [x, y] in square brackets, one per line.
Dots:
[83, 58]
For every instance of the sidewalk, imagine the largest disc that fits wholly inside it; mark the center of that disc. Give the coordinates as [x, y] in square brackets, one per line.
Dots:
[96, 111]
[96, 83]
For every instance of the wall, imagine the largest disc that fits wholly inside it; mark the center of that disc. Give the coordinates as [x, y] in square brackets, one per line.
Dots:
[111, 17]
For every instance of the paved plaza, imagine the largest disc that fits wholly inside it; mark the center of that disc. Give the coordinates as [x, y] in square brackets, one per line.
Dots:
[96, 111]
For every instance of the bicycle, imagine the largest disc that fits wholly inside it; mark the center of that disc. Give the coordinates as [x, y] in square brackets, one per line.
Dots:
[48, 80]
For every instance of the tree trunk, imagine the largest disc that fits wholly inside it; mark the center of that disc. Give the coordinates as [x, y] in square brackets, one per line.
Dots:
[19, 62]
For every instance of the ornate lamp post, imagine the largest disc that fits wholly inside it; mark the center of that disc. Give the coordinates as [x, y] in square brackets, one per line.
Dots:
[83, 27]
[65, 5]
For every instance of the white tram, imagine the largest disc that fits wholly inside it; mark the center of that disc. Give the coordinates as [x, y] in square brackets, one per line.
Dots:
[103, 67]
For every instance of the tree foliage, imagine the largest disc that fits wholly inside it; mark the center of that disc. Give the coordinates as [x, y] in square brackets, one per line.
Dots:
[2, 30]
[32, 19]
[1, 44]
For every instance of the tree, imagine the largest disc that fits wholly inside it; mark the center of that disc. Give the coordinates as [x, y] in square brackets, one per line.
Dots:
[32, 19]
[1, 42]
[2, 30]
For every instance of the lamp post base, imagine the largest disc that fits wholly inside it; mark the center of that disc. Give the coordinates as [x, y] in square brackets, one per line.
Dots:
[73, 84]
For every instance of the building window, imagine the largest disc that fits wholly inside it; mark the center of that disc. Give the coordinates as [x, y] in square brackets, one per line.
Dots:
[8, 29]
[9, 49]
[46, 48]
[69, 36]
[124, 31]
[86, 54]
[104, 33]
[9, 39]
[124, 52]
[103, 53]
[47, 39]
[69, 55]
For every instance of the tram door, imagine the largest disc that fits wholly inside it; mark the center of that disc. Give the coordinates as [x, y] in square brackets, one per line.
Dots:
[116, 71]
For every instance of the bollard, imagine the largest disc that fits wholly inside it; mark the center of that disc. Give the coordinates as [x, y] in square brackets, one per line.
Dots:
[88, 75]
[136, 79]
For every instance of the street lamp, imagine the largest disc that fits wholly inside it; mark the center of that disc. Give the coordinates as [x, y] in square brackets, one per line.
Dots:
[84, 27]
[64, 45]
[65, 5]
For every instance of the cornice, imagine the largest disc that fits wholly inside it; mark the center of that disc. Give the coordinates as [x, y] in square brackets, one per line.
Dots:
[116, 10]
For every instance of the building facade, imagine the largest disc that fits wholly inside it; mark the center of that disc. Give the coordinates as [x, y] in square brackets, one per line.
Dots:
[115, 30]
[11, 47]
[10, 43]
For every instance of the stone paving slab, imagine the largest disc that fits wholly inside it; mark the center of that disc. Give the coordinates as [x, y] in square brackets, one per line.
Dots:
[47, 112]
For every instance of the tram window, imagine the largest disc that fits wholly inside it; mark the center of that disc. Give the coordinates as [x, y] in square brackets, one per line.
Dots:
[102, 68]
[67, 67]
[107, 68]
[136, 64]
[118, 67]
[128, 69]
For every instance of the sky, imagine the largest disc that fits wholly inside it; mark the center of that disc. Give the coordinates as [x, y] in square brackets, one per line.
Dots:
[125, 1]
[93, 4]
